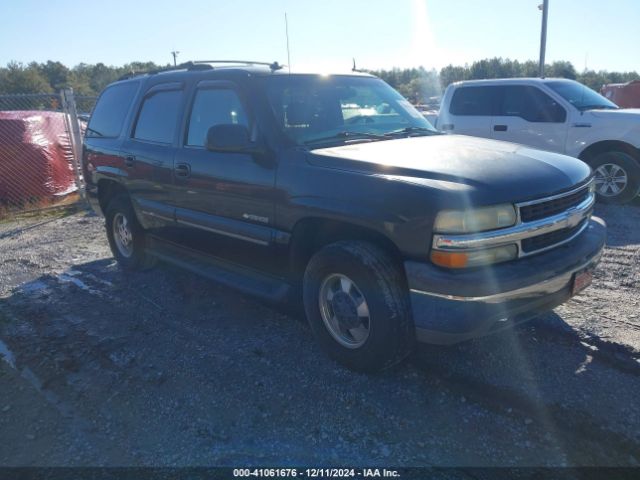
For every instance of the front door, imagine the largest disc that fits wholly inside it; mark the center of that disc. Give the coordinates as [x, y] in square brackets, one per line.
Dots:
[224, 201]
[527, 115]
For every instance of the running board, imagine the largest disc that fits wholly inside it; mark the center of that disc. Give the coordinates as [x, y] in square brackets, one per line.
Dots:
[247, 280]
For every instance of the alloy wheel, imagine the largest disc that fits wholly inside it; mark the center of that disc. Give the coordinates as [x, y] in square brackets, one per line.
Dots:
[344, 310]
[610, 179]
[122, 235]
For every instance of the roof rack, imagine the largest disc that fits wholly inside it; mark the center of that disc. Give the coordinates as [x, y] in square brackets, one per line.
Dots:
[272, 65]
[200, 65]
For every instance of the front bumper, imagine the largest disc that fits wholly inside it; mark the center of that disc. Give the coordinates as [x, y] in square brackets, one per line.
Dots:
[453, 306]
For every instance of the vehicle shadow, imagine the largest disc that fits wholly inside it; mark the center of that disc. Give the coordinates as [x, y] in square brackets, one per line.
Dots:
[166, 359]
[553, 375]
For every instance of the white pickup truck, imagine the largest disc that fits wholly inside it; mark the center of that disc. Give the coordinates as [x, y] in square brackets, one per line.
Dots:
[552, 114]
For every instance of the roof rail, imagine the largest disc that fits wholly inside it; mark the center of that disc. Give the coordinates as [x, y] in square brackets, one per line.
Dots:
[272, 65]
[200, 65]
[182, 66]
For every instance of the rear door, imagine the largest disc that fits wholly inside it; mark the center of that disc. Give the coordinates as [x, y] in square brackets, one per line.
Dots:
[149, 150]
[470, 111]
[527, 115]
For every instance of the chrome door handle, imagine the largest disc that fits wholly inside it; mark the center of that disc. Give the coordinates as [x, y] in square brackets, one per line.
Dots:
[182, 169]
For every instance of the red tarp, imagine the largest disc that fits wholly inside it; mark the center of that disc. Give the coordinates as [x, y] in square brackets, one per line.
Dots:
[625, 95]
[35, 157]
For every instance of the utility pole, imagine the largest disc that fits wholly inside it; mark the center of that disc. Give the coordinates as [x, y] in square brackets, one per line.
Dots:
[543, 35]
[175, 57]
[286, 31]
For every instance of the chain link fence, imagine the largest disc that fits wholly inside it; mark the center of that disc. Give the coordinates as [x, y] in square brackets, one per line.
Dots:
[40, 151]
[84, 104]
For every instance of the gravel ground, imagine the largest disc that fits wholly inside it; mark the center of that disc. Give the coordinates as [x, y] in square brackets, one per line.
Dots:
[164, 368]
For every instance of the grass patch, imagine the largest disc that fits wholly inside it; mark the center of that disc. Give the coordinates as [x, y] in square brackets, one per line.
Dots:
[36, 208]
[61, 209]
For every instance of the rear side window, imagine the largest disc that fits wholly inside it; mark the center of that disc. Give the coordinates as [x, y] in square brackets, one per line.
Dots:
[158, 117]
[213, 107]
[110, 111]
[531, 104]
[476, 101]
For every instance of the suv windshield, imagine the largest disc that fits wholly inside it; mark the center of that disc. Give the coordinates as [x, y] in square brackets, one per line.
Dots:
[318, 109]
[580, 96]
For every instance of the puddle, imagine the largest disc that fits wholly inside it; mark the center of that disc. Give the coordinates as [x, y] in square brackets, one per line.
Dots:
[7, 355]
[69, 277]
[36, 287]
[98, 279]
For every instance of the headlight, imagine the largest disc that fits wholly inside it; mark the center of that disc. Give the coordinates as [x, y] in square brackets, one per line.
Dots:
[474, 258]
[475, 220]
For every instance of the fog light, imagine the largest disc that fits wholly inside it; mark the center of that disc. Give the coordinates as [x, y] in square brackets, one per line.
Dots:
[474, 258]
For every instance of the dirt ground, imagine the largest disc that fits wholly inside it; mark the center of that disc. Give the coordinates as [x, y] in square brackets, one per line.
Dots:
[163, 368]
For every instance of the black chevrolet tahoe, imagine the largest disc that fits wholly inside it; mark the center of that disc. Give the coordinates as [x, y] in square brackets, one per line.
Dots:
[333, 190]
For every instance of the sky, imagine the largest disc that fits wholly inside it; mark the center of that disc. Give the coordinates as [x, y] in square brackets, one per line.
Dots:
[324, 35]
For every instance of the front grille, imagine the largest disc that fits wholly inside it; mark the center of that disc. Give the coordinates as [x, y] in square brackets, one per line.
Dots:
[534, 244]
[529, 213]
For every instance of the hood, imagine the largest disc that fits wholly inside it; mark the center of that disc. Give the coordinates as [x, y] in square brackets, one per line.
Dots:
[622, 114]
[488, 170]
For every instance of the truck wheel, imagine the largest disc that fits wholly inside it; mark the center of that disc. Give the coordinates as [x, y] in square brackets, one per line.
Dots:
[617, 177]
[126, 236]
[358, 306]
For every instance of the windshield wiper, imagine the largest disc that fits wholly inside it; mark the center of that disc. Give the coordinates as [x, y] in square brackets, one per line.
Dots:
[411, 130]
[347, 135]
[598, 107]
[91, 130]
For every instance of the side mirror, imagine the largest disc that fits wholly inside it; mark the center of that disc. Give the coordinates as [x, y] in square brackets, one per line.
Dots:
[233, 138]
[228, 138]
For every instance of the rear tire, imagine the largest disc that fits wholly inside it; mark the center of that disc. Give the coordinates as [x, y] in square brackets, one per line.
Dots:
[617, 177]
[126, 236]
[367, 324]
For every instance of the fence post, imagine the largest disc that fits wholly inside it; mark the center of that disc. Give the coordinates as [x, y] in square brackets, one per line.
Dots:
[71, 117]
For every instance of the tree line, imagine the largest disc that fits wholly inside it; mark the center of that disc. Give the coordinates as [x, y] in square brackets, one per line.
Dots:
[417, 84]
[420, 84]
[49, 77]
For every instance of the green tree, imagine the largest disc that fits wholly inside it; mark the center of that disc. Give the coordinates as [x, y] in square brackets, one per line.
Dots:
[561, 70]
[58, 76]
[16, 78]
[451, 74]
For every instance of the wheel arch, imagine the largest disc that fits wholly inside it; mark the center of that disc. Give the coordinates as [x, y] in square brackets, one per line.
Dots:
[107, 190]
[589, 153]
[310, 234]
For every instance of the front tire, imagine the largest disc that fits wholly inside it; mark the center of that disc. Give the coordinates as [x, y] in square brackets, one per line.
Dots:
[617, 177]
[358, 306]
[126, 236]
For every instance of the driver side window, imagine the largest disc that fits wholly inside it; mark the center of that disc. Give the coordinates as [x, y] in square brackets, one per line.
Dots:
[213, 106]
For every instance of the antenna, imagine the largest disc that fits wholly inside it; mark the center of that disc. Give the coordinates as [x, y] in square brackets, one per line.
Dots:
[175, 57]
[356, 69]
[286, 30]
